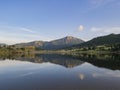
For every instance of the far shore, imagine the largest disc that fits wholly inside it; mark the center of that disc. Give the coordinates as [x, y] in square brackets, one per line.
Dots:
[74, 52]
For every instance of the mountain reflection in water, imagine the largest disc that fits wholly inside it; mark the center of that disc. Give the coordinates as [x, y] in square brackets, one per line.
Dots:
[58, 72]
[67, 62]
[110, 61]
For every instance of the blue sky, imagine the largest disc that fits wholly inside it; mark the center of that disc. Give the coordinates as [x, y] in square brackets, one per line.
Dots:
[29, 20]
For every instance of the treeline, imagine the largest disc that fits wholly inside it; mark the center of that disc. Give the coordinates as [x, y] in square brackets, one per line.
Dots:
[13, 49]
[111, 39]
[110, 47]
[103, 43]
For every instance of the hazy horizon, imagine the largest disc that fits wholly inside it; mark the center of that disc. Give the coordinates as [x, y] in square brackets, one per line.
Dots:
[46, 20]
[50, 40]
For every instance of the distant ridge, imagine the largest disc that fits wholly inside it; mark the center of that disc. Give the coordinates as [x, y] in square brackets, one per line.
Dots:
[55, 44]
[2, 44]
[102, 40]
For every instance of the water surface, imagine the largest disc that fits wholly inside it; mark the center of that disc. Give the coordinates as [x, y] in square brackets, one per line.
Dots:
[58, 72]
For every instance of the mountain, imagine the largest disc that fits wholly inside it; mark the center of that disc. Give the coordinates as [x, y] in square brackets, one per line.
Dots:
[55, 44]
[62, 43]
[34, 43]
[2, 44]
[102, 40]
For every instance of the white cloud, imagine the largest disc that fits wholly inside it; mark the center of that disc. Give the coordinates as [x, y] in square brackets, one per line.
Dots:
[81, 28]
[14, 28]
[108, 73]
[12, 35]
[27, 30]
[95, 4]
[95, 29]
[106, 30]
[81, 76]
[99, 3]
[12, 40]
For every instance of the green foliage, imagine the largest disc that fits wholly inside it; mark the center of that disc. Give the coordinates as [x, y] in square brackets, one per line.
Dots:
[105, 43]
[13, 49]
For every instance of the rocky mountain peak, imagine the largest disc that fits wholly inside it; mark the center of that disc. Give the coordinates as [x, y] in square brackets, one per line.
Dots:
[69, 37]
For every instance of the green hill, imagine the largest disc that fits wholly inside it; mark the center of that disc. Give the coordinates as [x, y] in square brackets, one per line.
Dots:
[54, 44]
[103, 40]
[103, 43]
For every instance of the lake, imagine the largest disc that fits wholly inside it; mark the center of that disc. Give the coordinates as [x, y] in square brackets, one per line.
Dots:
[60, 72]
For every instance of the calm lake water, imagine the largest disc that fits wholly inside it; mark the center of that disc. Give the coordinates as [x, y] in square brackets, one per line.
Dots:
[59, 72]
